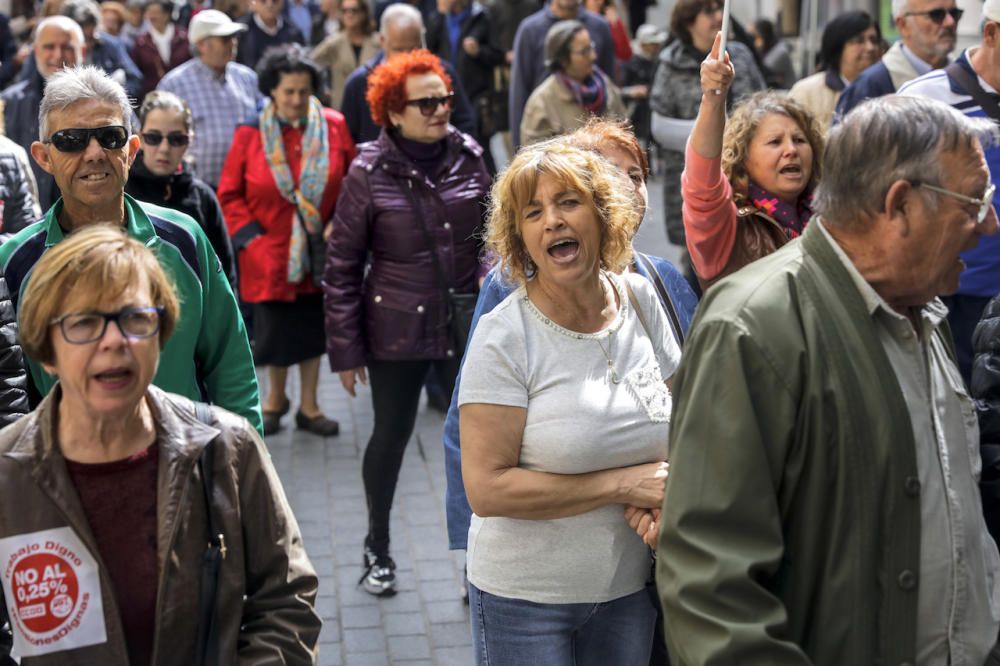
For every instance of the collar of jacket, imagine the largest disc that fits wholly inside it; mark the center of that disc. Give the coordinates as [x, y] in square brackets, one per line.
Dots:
[181, 438]
[679, 55]
[137, 224]
[383, 153]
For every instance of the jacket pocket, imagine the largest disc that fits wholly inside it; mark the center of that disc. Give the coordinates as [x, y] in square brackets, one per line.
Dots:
[397, 323]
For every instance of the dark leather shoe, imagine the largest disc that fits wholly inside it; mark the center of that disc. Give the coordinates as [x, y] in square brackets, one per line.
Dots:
[317, 425]
[272, 420]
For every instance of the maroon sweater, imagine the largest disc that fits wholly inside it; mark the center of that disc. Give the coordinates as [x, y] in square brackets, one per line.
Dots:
[119, 499]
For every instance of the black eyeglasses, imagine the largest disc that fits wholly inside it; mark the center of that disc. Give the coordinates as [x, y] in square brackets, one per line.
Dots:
[136, 323]
[937, 15]
[76, 139]
[175, 139]
[428, 105]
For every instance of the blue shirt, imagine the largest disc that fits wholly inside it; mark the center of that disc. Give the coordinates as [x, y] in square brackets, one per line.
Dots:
[455, 22]
[218, 104]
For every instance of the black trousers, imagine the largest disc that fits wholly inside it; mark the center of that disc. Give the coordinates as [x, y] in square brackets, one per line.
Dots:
[396, 389]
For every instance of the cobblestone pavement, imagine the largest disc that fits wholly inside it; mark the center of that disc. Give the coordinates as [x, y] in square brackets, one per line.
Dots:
[426, 621]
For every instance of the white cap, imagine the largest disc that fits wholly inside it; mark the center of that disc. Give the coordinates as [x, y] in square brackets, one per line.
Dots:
[212, 23]
[650, 34]
[991, 10]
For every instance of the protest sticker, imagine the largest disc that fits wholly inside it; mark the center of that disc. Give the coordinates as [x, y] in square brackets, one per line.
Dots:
[53, 590]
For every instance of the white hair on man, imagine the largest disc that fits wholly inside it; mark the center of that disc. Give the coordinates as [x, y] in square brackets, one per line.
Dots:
[72, 85]
[400, 14]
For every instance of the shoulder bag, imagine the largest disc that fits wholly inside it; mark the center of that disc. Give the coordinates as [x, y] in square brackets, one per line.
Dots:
[661, 290]
[961, 76]
[460, 306]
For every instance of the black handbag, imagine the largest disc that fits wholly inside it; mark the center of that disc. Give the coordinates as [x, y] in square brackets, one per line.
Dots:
[207, 646]
[460, 306]
[316, 247]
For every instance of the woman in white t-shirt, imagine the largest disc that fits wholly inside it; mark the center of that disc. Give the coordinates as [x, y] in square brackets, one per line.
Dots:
[564, 417]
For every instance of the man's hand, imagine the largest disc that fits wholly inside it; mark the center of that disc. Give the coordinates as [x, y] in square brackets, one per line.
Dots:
[471, 46]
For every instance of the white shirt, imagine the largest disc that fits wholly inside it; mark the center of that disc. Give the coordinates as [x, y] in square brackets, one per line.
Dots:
[162, 41]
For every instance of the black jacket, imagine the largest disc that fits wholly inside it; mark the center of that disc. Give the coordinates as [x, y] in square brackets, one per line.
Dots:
[254, 41]
[185, 193]
[16, 200]
[476, 72]
[985, 389]
[21, 103]
[13, 373]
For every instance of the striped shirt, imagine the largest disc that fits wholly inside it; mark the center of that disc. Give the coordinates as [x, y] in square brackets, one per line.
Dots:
[218, 104]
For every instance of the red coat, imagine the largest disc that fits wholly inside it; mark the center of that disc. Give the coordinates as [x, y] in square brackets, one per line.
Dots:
[147, 58]
[260, 219]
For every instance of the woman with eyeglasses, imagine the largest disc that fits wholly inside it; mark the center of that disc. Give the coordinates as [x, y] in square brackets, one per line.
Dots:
[576, 90]
[113, 489]
[405, 246]
[278, 189]
[851, 43]
[160, 174]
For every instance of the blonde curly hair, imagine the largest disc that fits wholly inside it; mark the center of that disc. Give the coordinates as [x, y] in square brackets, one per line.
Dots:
[742, 125]
[602, 185]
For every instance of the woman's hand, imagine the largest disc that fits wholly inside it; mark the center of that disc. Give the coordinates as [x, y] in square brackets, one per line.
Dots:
[642, 485]
[348, 378]
[716, 73]
[645, 522]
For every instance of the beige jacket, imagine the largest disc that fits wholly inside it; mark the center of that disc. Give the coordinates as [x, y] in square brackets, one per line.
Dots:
[335, 55]
[818, 98]
[551, 110]
[267, 586]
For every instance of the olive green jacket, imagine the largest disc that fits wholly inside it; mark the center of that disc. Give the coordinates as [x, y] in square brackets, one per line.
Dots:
[791, 521]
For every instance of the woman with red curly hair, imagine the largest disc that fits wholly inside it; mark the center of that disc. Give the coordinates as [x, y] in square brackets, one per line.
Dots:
[405, 243]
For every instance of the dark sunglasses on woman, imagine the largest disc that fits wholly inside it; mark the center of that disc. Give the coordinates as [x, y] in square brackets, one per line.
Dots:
[428, 105]
[76, 139]
[175, 139]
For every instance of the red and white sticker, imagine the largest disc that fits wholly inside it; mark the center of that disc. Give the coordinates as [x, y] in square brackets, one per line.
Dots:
[53, 590]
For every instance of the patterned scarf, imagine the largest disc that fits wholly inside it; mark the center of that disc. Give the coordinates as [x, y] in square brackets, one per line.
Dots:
[592, 94]
[313, 174]
[792, 218]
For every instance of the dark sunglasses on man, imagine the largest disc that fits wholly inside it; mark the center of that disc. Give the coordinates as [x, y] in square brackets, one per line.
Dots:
[937, 15]
[76, 139]
[175, 139]
[428, 105]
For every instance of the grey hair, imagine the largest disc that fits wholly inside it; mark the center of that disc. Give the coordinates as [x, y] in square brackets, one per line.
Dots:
[900, 7]
[885, 140]
[400, 13]
[82, 11]
[64, 22]
[558, 40]
[80, 84]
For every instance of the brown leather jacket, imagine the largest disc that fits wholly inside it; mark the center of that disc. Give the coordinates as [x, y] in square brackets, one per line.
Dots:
[267, 586]
[757, 235]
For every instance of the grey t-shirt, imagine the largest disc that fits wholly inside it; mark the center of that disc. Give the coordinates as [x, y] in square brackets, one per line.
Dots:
[578, 421]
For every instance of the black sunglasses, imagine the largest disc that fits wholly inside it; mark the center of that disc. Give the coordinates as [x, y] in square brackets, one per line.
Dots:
[937, 15]
[175, 139]
[428, 105]
[76, 139]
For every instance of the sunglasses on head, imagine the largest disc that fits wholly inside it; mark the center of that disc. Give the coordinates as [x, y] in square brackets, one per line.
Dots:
[428, 105]
[175, 139]
[76, 139]
[937, 15]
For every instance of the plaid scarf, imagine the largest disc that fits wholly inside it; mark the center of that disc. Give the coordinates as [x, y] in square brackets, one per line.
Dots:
[592, 94]
[313, 174]
[792, 218]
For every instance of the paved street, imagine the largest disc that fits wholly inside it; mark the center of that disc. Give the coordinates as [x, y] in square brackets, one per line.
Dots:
[426, 622]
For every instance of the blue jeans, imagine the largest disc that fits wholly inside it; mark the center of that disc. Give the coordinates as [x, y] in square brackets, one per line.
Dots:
[516, 632]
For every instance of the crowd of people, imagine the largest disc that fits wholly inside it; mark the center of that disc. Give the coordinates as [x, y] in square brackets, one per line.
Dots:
[784, 450]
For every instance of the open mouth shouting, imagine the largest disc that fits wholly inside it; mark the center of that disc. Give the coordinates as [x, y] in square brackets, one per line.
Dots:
[564, 250]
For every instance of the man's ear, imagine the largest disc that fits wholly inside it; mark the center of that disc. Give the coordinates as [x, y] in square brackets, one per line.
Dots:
[897, 203]
[133, 148]
[41, 155]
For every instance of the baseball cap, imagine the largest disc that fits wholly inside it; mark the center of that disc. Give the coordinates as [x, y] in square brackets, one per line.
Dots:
[991, 10]
[212, 23]
[650, 34]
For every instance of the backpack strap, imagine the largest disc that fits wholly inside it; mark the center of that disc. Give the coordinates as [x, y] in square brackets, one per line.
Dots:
[211, 561]
[970, 82]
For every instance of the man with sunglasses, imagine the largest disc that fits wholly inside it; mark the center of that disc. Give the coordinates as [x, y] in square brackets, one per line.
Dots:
[832, 515]
[87, 145]
[58, 42]
[927, 31]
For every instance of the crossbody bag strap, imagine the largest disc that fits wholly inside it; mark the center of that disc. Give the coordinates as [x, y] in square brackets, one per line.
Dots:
[661, 289]
[418, 211]
[970, 82]
[215, 552]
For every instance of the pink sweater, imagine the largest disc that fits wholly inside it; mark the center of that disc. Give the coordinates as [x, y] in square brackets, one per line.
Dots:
[709, 213]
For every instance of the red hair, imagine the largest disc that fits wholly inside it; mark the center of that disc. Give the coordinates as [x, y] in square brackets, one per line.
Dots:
[387, 82]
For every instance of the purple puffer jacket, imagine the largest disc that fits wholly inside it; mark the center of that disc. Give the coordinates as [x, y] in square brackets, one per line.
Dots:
[397, 311]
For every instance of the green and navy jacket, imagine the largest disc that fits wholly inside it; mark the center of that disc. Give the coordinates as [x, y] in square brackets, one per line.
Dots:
[208, 356]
